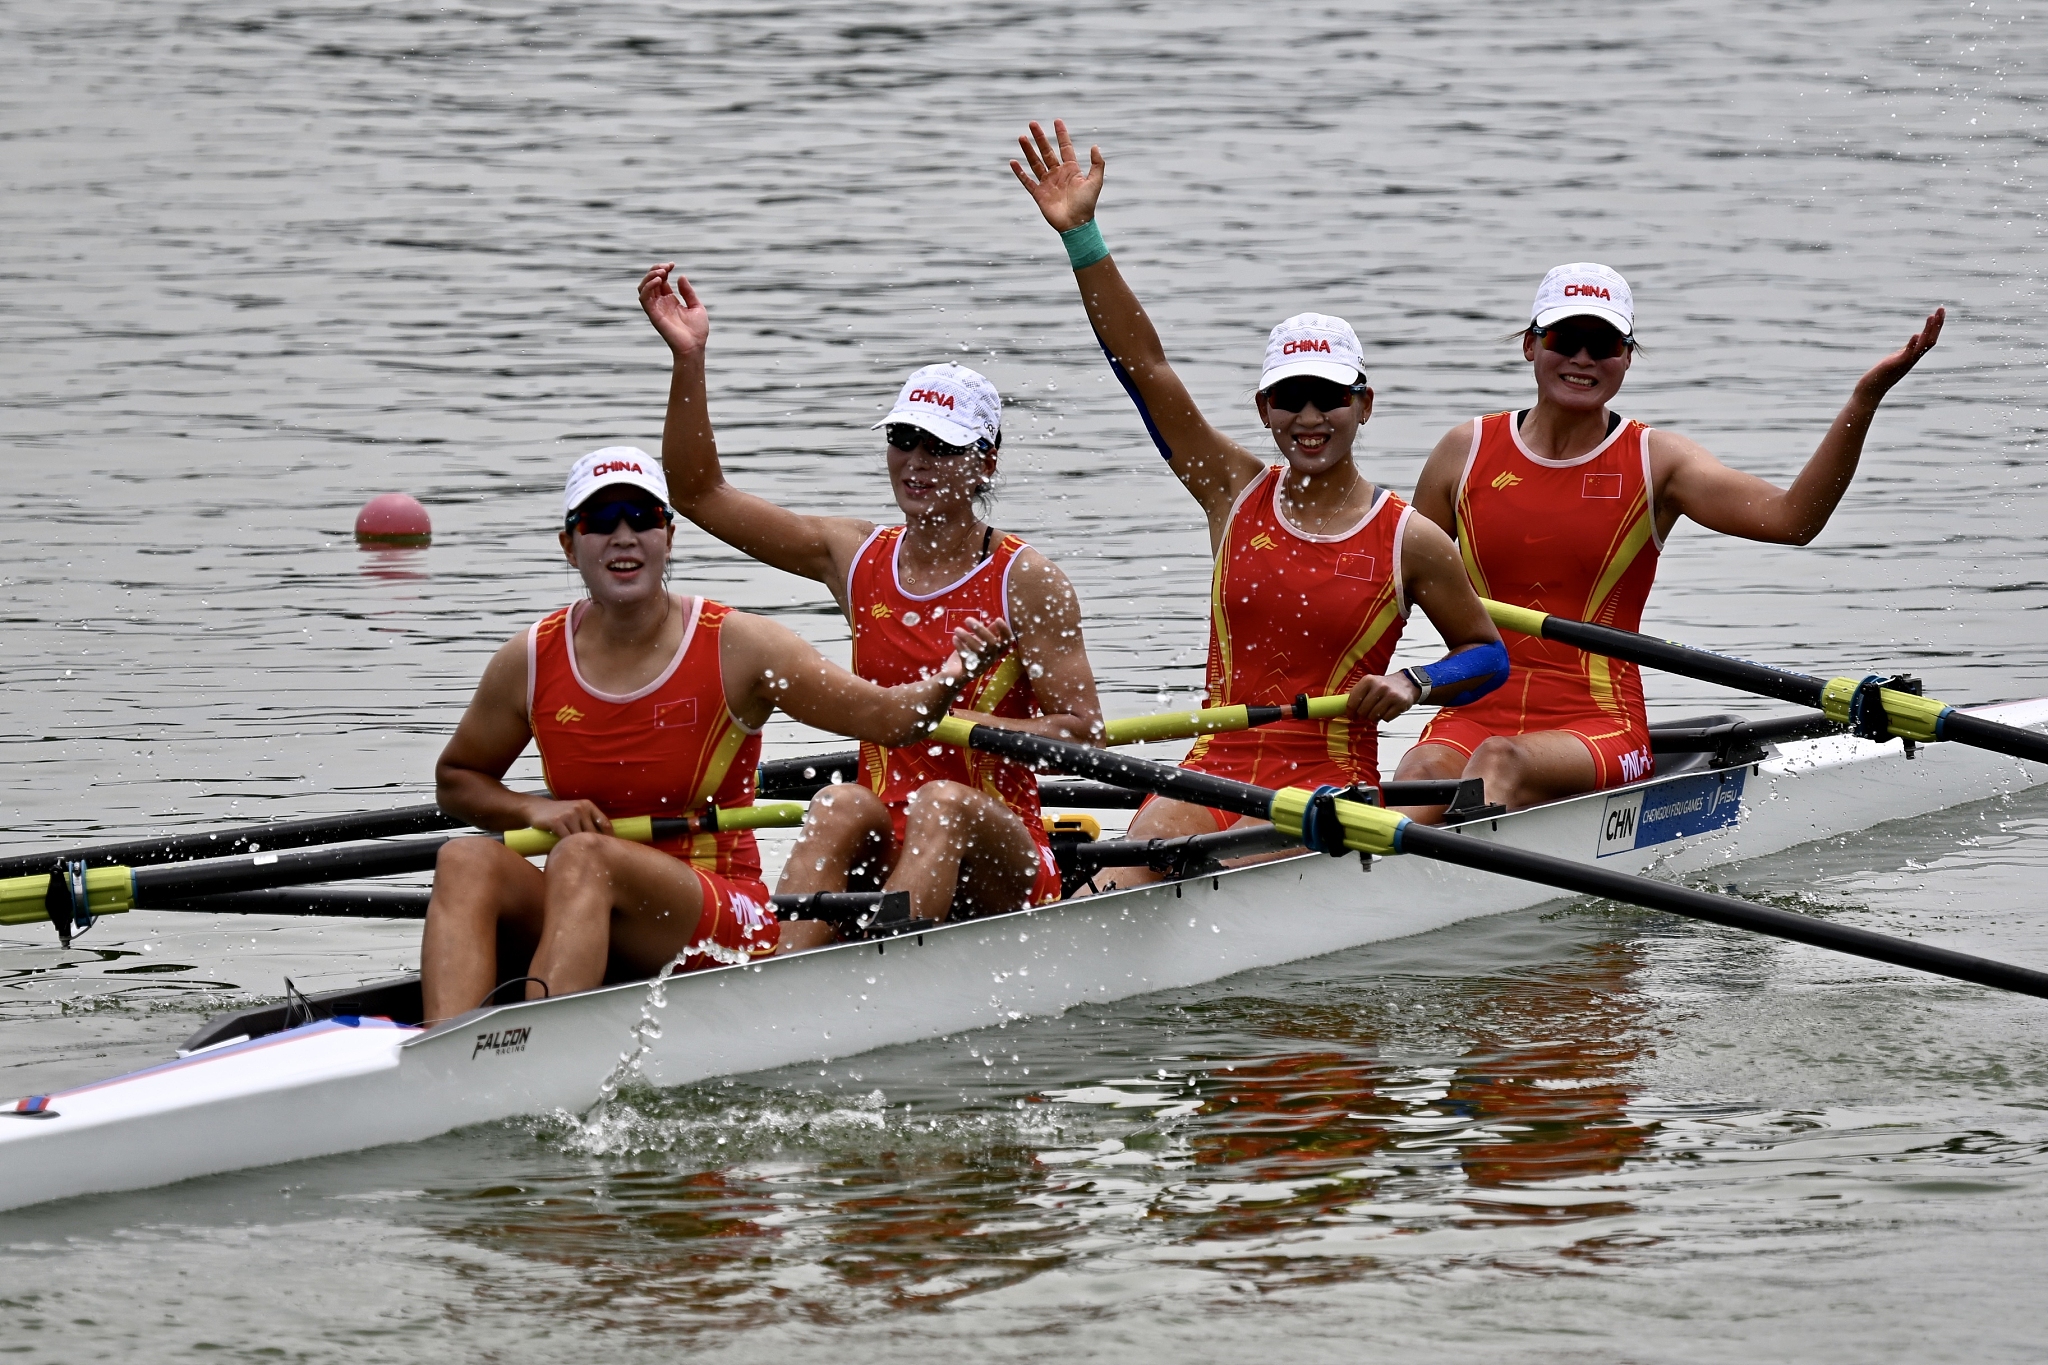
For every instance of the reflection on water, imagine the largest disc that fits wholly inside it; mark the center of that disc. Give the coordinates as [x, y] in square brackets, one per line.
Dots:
[394, 564]
[1273, 1121]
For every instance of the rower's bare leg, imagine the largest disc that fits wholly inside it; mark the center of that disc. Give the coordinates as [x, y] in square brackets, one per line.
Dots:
[846, 835]
[845, 841]
[1158, 820]
[1544, 765]
[1431, 763]
[608, 900]
[958, 839]
[481, 889]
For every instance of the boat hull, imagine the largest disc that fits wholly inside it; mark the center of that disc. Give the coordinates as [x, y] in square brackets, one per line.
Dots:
[338, 1086]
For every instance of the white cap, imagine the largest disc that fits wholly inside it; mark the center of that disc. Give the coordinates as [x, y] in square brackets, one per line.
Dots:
[1584, 289]
[952, 402]
[613, 465]
[1313, 343]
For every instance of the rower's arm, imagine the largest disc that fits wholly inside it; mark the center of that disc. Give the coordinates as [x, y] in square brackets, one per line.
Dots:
[493, 732]
[1212, 466]
[1692, 483]
[1434, 578]
[767, 667]
[1045, 612]
[1436, 491]
[820, 548]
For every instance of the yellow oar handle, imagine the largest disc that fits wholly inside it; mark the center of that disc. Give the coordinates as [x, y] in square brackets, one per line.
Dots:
[1177, 724]
[1215, 720]
[1521, 620]
[645, 829]
[1328, 708]
[530, 842]
[765, 815]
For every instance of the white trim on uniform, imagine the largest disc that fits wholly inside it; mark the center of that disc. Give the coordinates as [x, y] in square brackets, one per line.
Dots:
[1400, 587]
[569, 642]
[1515, 430]
[1471, 458]
[1650, 493]
[1379, 500]
[897, 578]
[853, 565]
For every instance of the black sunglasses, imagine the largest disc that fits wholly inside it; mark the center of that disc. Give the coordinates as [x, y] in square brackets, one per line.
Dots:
[596, 518]
[906, 437]
[1597, 339]
[1298, 391]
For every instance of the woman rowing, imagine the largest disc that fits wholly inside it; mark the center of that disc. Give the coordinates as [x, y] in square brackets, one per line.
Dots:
[1564, 507]
[972, 818]
[641, 702]
[1316, 567]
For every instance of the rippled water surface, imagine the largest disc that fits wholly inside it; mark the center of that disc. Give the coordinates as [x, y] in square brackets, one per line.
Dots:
[262, 262]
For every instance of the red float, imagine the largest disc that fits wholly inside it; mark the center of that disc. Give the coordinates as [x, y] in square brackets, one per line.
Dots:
[393, 519]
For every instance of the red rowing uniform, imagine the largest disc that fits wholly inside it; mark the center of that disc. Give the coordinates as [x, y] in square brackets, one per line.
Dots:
[903, 637]
[1293, 613]
[1574, 538]
[670, 748]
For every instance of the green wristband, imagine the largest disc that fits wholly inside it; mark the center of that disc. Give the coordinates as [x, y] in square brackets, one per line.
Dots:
[1084, 245]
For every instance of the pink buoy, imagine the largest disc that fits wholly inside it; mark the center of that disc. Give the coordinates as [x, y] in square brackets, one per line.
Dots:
[393, 519]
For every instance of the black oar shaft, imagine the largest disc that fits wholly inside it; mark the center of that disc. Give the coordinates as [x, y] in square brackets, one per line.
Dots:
[256, 872]
[1481, 854]
[1685, 661]
[1783, 684]
[1989, 734]
[1182, 784]
[175, 848]
[1485, 856]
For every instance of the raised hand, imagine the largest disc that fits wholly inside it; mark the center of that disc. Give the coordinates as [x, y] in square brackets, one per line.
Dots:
[1896, 366]
[684, 323]
[1066, 193]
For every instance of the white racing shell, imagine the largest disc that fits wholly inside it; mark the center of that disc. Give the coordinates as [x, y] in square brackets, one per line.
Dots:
[345, 1084]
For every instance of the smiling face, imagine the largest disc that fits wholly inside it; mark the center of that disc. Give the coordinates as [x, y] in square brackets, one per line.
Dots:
[621, 567]
[1576, 382]
[1314, 441]
[934, 487]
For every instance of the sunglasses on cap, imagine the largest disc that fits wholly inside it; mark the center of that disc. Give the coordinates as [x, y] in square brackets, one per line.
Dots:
[906, 437]
[1598, 340]
[1298, 391]
[596, 518]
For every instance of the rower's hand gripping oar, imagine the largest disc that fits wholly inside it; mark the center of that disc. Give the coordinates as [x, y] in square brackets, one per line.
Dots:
[74, 895]
[1866, 705]
[1328, 822]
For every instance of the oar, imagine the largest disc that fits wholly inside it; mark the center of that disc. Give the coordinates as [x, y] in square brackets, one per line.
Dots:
[174, 848]
[74, 895]
[782, 777]
[1866, 705]
[1217, 720]
[1330, 823]
[856, 909]
[803, 778]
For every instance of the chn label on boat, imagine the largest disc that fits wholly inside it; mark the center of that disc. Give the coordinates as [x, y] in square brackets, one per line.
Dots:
[1657, 814]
